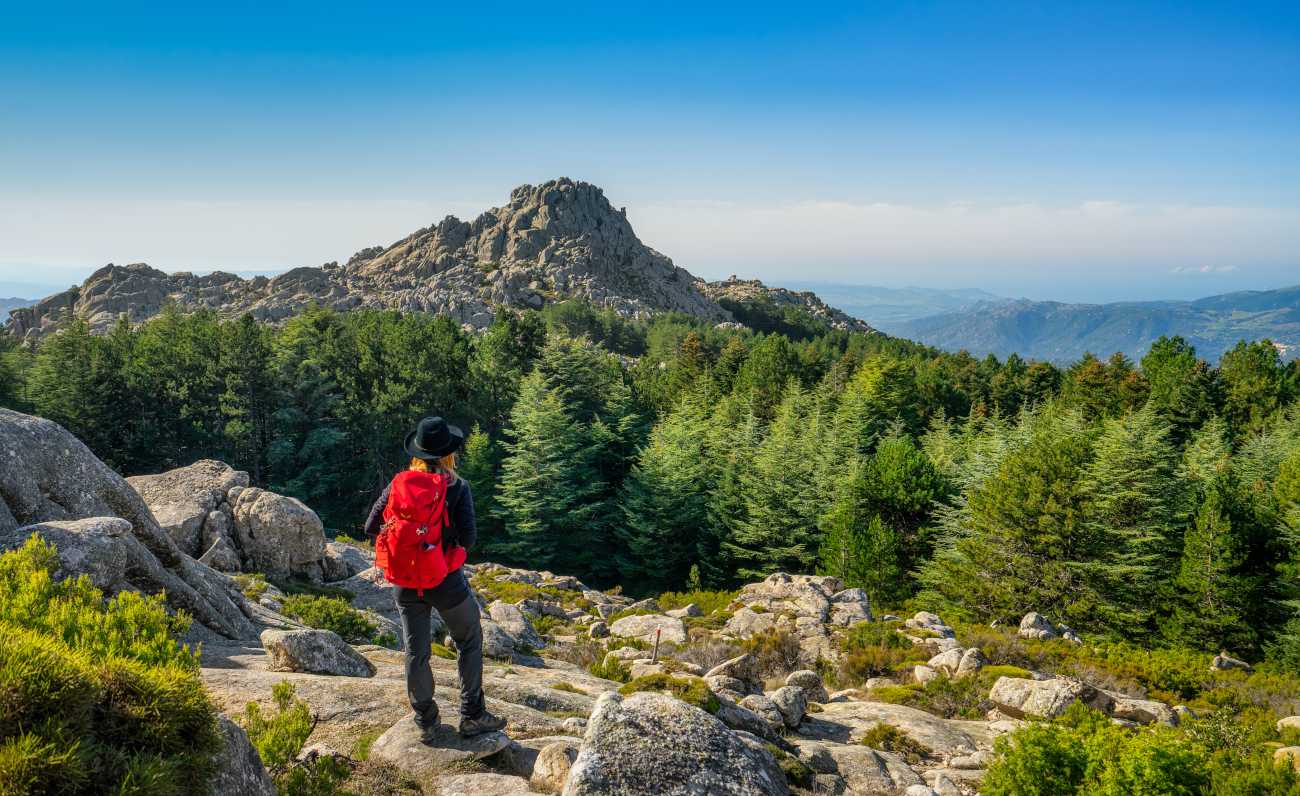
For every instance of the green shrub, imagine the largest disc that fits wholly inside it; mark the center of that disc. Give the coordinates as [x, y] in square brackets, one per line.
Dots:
[442, 651]
[95, 695]
[796, 773]
[609, 668]
[331, 613]
[252, 584]
[1082, 752]
[691, 690]
[708, 601]
[776, 649]
[888, 738]
[511, 592]
[298, 585]
[569, 687]
[279, 737]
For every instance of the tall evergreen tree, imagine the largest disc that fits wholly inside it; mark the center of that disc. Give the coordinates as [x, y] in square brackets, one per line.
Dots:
[1253, 386]
[779, 530]
[857, 545]
[1182, 386]
[1134, 510]
[250, 396]
[665, 499]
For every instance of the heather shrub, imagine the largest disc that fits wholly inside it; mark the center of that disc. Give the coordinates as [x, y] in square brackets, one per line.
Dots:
[95, 695]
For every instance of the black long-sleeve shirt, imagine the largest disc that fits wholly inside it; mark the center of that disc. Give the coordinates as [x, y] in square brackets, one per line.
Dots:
[462, 530]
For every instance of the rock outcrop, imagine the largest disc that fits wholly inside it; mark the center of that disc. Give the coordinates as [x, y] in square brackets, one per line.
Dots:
[652, 743]
[51, 484]
[211, 512]
[558, 240]
[239, 767]
[315, 652]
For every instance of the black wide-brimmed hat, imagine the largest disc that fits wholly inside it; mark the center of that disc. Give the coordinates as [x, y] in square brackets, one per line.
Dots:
[433, 439]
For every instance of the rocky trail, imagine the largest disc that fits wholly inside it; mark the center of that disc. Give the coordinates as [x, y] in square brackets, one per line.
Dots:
[708, 712]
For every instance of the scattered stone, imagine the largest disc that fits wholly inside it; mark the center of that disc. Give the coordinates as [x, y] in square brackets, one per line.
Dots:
[512, 620]
[972, 660]
[923, 674]
[598, 630]
[1287, 723]
[485, 784]
[792, 702]
[552, 767]
[314, 652]
[763, 707]
[1288, 754]
[644, 626]
[343, 560]
[574, 724]
[690, 609]
[742, 667]
[811, 683]
[1037, 699]
[947, 662]
[1034, 625]
[1225, 662]
[497, 643]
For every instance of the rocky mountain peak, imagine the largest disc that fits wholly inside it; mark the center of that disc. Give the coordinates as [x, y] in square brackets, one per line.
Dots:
[558, 240]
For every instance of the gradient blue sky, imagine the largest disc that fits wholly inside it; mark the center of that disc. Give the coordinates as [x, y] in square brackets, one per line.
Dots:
[1080, 151]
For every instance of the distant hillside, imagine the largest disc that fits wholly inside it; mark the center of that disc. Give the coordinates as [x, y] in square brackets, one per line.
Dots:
[12, 303]
[886, 308]
[1063, 332]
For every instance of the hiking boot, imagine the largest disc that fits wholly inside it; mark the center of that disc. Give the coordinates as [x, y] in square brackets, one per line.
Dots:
[428, 725]
[484, 722]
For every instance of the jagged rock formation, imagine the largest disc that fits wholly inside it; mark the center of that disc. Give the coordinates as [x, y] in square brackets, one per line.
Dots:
[51, 484]
[211, 512]
[750, 291]
[558, 240]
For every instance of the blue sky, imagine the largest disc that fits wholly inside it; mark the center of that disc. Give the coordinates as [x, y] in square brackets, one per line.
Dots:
[1086, 151]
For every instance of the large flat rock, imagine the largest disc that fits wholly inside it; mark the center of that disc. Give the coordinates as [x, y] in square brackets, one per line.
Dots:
[401, 746]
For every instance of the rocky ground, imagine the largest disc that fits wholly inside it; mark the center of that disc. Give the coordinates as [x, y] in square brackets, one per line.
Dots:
[603, 694]
[558, 240]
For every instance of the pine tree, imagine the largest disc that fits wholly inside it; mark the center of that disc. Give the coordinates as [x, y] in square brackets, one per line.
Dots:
[779, 530]
[478, 463]
[664, 500]
[250, 396]
[1253, 386]
[1182, 386]
[549, 491]
[858, 546]
[1213, 593]
[770, 365]
[1134, 506]
[1014, 539]
[732, 433]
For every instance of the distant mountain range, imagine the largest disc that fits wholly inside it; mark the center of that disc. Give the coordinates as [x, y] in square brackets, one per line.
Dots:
[13, 303]
[1062, 333]
[886, 308]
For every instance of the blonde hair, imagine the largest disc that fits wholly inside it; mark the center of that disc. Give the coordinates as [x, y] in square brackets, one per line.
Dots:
[447, 465]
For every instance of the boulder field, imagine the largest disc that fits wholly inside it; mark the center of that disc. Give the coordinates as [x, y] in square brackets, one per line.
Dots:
[706, 712]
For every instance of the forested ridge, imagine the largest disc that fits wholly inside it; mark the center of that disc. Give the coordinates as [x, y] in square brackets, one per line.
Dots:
[1154, 501]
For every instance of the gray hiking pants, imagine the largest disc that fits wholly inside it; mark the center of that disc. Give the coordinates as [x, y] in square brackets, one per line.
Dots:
[462, 623]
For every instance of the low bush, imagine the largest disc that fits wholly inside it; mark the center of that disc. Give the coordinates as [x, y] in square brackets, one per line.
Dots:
[888, 738]
[795, 771]
[874, 649]
[279, 737]
[708, 601]
[311, 588]
[511, 592]
[691, 690]
[776, 649]
[611, 669]
[568, 687]
[1083, 752]
[96, 695]
[331, 613]
[252, 584]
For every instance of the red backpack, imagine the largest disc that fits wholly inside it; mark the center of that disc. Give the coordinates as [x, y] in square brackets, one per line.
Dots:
[409, 547]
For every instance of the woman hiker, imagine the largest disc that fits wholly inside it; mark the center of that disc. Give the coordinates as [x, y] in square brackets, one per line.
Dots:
[427, 498]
